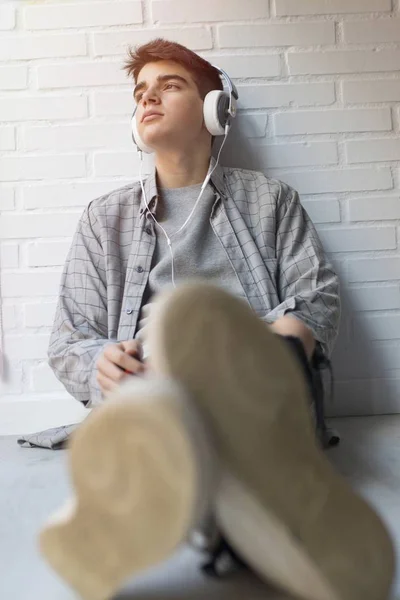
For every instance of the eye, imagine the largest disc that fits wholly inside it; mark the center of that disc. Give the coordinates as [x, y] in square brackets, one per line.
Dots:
[172, 85]
[138, 97]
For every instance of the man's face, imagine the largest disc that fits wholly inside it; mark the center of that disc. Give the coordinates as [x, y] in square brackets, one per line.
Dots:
[168, 89]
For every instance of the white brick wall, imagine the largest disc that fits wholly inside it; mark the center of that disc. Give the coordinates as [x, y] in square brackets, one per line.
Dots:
[7, 138]
[13, 78]
[319, 86]
[39, 314]
[7, 17]
[82, 14]
[27, 47]
[329, 7]
[343, 61]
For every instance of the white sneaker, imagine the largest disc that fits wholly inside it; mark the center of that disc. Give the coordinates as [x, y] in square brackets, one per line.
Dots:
[281, 504]
[142, 469]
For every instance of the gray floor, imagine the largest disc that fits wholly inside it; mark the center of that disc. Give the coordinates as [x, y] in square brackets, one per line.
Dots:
[34, 482]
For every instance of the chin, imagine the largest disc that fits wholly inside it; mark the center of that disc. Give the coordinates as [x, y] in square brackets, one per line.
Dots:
[159, 142]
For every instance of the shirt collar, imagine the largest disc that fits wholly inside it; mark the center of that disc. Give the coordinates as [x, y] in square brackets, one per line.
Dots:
[150, 186]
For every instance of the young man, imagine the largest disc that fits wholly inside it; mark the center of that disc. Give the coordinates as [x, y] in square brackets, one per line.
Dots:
[213, 418]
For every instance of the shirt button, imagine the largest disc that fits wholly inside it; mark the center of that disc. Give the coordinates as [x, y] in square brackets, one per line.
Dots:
[139, 269]
[129, 311]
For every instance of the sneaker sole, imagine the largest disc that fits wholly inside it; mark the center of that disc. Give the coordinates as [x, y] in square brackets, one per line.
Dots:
[136, 477]
[289, 514]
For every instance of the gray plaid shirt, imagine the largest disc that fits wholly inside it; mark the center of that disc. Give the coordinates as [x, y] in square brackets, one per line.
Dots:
[260, 222]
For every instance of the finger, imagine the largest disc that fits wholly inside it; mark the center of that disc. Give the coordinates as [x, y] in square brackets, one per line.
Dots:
[132, 347]
[110, 370]
[123, 360]
[106, 384]
[132, 365]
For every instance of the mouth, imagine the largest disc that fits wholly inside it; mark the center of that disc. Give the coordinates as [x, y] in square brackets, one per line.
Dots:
[151, 117]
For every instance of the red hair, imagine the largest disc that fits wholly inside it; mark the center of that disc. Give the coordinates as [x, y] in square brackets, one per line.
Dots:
[205, 76]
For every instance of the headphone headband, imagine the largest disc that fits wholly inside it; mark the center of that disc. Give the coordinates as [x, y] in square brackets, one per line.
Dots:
[231, 85]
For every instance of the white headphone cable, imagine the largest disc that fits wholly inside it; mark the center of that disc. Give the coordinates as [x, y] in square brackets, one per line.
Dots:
[203, 186]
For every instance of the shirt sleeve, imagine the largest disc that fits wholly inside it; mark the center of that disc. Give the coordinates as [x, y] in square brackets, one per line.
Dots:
[308, 286]
[80, 330]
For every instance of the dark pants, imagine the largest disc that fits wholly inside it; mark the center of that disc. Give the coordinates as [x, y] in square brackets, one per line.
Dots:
[224, 554]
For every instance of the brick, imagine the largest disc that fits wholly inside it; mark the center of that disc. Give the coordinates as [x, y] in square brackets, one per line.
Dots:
[48, 254]
[110, 164]
[385, 149]
[273, 95]
[42, 379]
[66, 195]
[376, 90]
[7, 138]
[287, 34]
[13, 383]
[374, 269]
[30, 284]
[356, 363]
[175, 11]
[389, 356]
[9, 256]
[117, 42]
[377, 208]
[248, 125]
[343, 180]
[343, 61]
[7, 17]
[248, 65]
[83, 14]
[39, 314]
[70, 137]
[322, 211]
[47, 46]
[365, 397]
[367, 32]
[30, 225]
[42, 108]
[41, 167]
[260, 157]
[13, 78]
[332, 121]
[354, 239]
[26, 347]
[80, 75]
[9, 316]
[374, 298]
[330, 7]
[113, 103]
[378, 327]
[7, 199]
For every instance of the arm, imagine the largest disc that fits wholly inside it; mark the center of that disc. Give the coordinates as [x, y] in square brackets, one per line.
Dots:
[80, 330]
[308, 286]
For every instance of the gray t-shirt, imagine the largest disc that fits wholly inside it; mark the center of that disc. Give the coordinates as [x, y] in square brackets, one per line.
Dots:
[198, 253]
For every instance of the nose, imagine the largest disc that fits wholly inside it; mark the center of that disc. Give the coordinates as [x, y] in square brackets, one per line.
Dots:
[149, 97]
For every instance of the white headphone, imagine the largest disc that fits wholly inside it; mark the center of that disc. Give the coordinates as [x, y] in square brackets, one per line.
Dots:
[219, 109]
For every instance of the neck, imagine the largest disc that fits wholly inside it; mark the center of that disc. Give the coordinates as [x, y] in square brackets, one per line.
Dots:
[178, 169]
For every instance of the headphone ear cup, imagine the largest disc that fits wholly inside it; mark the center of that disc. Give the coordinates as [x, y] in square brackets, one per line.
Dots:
[137, 139]
[215, 109]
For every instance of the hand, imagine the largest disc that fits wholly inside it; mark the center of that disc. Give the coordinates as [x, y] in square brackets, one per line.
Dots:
[288, 325]
[117, 362]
